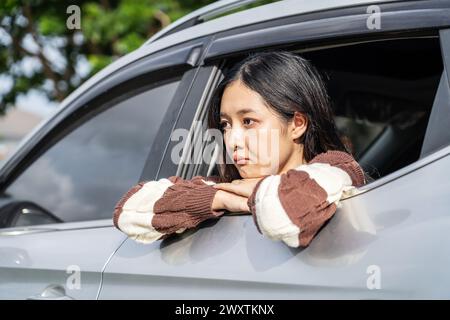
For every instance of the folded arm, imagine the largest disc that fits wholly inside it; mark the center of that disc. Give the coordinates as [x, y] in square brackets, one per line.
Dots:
[292, 207]
[153, 210]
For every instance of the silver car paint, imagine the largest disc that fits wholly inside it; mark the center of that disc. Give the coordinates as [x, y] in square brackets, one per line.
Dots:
[403, 238]
[50, 254]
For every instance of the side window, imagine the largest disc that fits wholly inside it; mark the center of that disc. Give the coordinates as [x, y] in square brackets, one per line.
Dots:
[83, 175]
[382, 94]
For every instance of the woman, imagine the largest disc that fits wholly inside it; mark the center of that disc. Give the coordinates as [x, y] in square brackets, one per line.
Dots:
[289, 170]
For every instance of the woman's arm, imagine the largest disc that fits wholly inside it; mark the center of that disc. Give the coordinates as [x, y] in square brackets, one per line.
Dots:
[154, 210]
[292, 207]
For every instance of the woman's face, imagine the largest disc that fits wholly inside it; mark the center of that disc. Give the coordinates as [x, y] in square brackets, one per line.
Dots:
[257, 140]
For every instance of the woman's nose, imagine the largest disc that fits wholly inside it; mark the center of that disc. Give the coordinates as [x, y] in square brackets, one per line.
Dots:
[236, 139]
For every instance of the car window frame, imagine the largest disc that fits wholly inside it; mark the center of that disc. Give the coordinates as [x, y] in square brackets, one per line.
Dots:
[196, 103]
[437, 135]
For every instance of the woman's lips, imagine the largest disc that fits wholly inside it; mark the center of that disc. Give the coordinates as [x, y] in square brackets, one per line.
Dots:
[242, 161]
[239, 160]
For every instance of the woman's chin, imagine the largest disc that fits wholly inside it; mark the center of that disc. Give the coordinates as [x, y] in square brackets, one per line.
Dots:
[245, 173]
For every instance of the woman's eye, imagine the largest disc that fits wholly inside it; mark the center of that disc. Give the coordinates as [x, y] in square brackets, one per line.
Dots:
[224, 125]
[248, 122]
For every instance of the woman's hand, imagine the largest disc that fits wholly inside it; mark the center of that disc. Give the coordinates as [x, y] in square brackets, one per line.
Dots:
[241, 187]
[224, 200]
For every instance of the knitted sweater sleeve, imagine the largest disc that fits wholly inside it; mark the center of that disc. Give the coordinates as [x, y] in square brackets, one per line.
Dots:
[293, 206]
[153, 210]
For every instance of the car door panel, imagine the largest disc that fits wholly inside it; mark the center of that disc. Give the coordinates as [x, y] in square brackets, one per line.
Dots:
[392, 230]
[71, 257]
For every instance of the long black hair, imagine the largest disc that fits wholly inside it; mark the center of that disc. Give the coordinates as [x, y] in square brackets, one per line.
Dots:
[287, 83]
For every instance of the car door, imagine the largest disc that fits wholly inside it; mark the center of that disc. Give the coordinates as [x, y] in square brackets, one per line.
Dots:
[388, 240]
[58, 196]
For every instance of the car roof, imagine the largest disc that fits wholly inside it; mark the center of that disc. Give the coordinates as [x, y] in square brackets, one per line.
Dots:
[193, 18]
[254, 15]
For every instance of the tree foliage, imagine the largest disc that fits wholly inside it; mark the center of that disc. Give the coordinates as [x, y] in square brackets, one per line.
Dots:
[38, 51]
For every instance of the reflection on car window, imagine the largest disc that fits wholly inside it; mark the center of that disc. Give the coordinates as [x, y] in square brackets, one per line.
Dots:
[82, 176]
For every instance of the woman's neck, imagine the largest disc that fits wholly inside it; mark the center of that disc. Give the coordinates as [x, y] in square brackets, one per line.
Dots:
[294, 161]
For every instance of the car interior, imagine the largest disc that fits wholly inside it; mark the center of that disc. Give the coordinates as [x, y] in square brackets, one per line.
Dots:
[382, 93]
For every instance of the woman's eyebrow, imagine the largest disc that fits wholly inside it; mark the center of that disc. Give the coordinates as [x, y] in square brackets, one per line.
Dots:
[240, 112]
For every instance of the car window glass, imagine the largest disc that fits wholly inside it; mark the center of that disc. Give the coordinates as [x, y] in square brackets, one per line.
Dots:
[83, 175]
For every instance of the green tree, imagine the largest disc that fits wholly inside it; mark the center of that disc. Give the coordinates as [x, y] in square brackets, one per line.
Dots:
[33, 33]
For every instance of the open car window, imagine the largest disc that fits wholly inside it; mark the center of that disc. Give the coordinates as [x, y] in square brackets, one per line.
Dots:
[382, 94]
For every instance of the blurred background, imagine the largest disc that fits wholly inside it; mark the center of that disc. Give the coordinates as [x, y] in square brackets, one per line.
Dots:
[47, 51]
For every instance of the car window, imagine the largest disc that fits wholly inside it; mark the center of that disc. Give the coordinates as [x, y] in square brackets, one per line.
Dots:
[83, 175]
[382, 94]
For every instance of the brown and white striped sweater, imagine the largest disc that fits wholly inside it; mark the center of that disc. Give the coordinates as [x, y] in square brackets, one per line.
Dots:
[291, 207]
